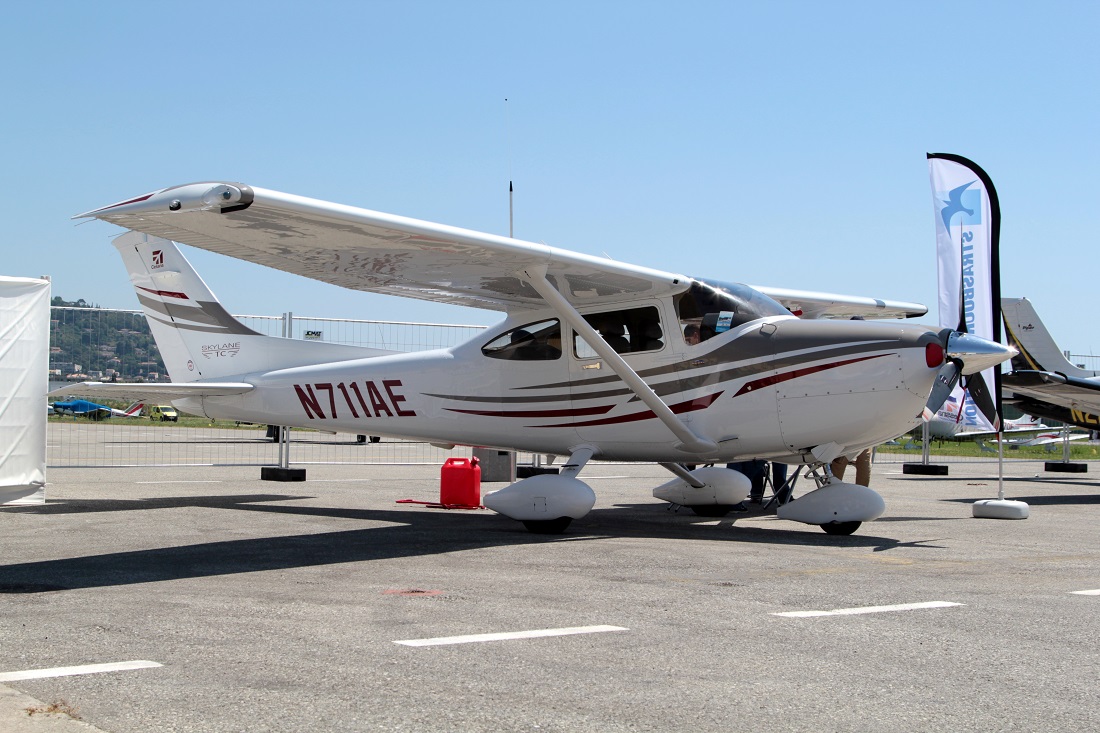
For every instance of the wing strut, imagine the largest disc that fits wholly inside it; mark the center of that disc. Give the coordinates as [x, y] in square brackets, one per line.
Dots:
[689, 441]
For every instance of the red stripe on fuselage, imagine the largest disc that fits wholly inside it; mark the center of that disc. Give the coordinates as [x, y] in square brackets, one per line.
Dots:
[536, 413]
[794, 374]
[699, 403]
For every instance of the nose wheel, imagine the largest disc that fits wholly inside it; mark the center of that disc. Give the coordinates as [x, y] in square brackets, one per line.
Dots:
[841, 528]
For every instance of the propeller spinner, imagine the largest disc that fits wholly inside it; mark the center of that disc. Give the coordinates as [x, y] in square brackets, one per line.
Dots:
[966, 357]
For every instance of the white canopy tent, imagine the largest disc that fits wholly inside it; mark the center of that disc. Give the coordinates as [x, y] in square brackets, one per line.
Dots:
[24, 366]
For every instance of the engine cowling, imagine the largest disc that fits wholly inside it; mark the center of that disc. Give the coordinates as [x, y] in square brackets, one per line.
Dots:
[542, 497]
[721, 486]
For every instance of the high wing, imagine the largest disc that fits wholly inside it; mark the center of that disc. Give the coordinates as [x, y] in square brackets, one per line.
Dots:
[156, 390]
[375, 252]
[829, 305]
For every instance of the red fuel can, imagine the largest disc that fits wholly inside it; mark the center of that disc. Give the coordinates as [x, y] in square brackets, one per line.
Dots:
[460, 482]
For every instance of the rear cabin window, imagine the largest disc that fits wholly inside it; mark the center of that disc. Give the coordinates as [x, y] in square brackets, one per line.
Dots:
[539, 341]
[626, 331]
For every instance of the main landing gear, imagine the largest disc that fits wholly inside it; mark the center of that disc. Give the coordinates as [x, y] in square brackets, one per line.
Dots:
[838, 508]
[547, 526]
[547, 503]
[841, 528]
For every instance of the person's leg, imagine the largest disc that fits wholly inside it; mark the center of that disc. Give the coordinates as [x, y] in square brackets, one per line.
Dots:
[755, 472]
[863, 468]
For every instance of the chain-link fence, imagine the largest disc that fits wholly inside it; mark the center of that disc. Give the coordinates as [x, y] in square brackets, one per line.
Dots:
[90, 344]
[1084, 361]
[904, 450]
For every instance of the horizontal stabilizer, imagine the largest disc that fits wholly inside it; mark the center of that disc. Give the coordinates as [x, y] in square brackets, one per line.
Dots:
[162, 391]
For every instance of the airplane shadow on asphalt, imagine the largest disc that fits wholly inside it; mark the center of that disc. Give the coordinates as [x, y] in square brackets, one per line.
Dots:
[406, 533]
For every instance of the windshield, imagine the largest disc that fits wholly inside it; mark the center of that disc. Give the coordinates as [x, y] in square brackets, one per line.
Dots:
[709, 308]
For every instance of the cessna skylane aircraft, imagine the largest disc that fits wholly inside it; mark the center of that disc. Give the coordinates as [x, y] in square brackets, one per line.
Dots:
[594, 358]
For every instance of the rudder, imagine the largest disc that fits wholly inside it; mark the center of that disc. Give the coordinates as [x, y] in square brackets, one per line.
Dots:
[1038, 350]
[197, 337]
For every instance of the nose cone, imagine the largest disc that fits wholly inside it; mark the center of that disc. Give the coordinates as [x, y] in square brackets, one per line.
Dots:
[976, 353]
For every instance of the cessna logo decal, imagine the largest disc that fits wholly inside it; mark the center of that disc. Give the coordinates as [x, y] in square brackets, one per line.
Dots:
[158, 258]
[221, 351]
[373, 400]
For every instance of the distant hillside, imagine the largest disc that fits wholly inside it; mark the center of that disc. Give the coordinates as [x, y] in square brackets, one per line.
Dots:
[89, 342]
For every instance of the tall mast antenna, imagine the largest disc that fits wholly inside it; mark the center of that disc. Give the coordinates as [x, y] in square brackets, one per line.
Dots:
[508, 137]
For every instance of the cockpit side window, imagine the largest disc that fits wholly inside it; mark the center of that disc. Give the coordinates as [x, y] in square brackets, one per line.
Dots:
[708, 309]
[539, 341]
[626, 331]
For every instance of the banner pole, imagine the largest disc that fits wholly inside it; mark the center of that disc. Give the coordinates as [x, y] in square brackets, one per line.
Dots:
[1000, 466]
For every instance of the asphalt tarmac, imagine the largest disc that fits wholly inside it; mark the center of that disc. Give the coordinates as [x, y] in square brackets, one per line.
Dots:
[261, 606]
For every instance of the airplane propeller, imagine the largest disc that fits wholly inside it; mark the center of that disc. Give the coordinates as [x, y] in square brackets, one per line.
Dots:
[945, 383]
[966, 357]
[983, 398]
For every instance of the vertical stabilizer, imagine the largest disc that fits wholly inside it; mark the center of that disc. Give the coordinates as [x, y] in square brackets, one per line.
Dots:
[1038, 351]
[197, 337]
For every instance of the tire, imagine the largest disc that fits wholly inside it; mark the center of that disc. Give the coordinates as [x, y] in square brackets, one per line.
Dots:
[360, 439]
[841, 528]
[376, 438]
[712, 510]
[547, 526]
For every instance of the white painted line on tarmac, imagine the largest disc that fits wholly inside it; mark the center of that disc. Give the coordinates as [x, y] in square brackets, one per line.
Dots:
[1086, 592]
[338, 480]
[869, 609]
[178, 482]
[38, 674]
[592, 478]
[441, 640]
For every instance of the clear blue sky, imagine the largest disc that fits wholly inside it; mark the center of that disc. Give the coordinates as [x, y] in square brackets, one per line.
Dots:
[778, 145]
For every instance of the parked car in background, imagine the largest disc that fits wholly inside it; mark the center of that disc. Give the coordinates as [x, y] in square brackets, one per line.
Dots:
[164, 413]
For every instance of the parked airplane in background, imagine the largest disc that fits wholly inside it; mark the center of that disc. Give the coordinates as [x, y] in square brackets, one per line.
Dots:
[594, 359]
[1049, 437]
[951, 423]
[95, 411]
[1043, 381]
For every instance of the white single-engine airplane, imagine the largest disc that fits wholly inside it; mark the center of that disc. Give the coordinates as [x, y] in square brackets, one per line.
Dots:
[594, 359]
